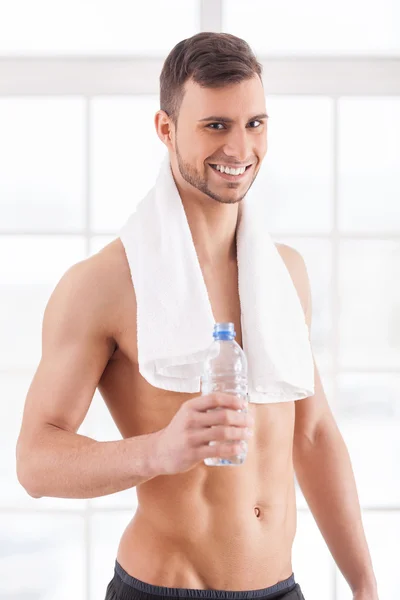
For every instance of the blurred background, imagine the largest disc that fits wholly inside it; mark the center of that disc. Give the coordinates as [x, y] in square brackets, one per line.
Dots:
[78, 150]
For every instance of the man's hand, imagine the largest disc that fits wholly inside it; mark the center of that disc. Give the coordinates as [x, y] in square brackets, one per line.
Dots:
[184, 442]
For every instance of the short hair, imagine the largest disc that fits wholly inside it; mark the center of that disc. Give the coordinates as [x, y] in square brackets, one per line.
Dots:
[211, 59]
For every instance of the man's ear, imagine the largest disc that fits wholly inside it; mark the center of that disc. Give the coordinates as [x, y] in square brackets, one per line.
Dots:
[164, 128]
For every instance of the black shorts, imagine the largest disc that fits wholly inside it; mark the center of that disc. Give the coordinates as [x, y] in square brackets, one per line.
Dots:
[125, 587]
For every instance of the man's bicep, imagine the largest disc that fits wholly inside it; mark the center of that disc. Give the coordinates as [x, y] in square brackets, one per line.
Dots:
[75, 351]
[311, 413]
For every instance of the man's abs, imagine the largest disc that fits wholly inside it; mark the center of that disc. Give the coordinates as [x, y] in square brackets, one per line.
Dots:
[213, 528]
[210, 527]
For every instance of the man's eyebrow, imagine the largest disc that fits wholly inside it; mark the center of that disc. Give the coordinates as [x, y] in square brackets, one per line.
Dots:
[228, 120]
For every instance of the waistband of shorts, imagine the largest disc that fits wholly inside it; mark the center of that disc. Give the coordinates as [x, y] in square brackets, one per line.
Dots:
[130, 588]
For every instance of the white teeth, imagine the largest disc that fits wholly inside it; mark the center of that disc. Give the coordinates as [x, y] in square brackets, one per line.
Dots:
[230, 171]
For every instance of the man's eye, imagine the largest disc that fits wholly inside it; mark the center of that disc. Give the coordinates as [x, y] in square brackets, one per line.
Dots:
[210, 125]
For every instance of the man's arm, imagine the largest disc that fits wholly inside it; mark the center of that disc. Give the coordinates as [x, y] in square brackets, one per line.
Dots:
[52, 459]
[323, 469]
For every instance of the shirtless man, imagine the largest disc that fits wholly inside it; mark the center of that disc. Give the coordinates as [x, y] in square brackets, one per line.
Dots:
[196, 527]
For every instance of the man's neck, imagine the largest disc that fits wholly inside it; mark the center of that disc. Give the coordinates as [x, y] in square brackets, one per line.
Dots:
[213, 230]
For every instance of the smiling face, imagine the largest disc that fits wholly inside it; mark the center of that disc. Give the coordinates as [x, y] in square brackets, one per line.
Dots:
[224, 126]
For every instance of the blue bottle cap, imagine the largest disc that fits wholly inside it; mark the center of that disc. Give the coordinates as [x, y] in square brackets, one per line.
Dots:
[224, 331]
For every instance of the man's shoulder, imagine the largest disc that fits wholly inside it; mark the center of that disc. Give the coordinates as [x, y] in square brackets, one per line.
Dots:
[109, 263]
[91, 288]
[296, 266]
[100, 273]
[288, 253]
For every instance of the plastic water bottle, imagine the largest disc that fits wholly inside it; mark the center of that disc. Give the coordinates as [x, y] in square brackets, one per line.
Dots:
[225, 370]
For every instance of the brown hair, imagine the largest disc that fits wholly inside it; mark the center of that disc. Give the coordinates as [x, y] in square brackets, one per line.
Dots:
[211, 60]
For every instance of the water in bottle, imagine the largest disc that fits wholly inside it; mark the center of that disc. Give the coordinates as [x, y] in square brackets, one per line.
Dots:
[225, 370]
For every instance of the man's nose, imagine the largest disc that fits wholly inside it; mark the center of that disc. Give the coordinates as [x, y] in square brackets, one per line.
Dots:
[238, 147]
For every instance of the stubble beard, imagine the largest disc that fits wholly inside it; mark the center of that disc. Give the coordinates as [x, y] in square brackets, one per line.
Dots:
[193, 177]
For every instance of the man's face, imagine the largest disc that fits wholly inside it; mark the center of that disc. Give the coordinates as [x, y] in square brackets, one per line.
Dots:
[203, 138]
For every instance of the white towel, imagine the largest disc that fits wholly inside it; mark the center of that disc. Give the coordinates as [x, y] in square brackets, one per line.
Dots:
[174, 316]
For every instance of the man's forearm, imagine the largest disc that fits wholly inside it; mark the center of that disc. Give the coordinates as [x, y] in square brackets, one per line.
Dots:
[326, 478]
[64, 464]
